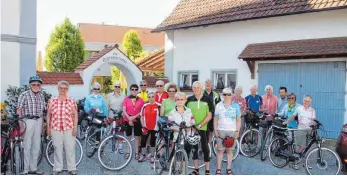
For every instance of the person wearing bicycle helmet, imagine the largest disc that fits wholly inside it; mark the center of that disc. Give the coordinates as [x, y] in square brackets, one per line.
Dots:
[202, 108]
[63, 128]
[132, 106]
[32, 103]
[227, 123]
[149, 117]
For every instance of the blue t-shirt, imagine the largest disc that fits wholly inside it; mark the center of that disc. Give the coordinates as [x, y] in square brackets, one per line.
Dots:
[254, 102]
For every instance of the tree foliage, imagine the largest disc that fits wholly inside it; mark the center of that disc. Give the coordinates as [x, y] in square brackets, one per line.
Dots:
[65, 50]
[132, 44]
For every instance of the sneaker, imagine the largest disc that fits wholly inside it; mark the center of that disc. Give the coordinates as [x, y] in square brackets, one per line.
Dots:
[295, 166]
[142, 158]
[23, 173]
[56, 173]
[73, 172]
[37, 172]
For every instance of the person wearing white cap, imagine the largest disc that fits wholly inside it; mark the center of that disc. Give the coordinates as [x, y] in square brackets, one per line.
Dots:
[115, 100]
[227, 124]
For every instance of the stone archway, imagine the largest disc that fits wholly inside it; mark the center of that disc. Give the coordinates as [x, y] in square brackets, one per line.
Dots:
[109, 56]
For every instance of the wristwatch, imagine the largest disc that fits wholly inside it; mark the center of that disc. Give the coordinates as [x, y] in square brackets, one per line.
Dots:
[199, 126]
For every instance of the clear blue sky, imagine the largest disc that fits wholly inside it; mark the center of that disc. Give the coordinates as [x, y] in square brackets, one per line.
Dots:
[136, 13]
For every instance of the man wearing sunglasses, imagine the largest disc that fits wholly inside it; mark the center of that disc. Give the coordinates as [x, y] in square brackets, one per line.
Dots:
[32, 103]
[160, 95]
[143, 93]
[115, 100]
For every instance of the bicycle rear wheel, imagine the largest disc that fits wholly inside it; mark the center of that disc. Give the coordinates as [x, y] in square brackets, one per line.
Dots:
[91, 143]
[250, 143]
[264, 146]
[279, 152]
[201, 157]
[50, 154]
[160, 162]
[17, 159]
[326, 160]
[178, 165]
[108, 152]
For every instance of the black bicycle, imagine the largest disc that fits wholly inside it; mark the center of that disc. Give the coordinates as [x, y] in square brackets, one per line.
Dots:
[13, 149]
[282, 151]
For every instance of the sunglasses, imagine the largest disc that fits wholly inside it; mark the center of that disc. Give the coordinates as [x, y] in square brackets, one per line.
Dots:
[134, 89]
[290, 98]
[63, 88]
[96, 89]
[35, 85]
[172, 91]
[116, 86]
[226, 94]
[144, 85]
[150, 96]
[159, 86]
[179, 99]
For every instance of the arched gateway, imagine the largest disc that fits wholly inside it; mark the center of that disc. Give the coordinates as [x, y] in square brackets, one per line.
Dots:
[110, 56]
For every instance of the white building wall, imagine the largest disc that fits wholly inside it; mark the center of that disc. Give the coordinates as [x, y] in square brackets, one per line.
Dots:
[10, 17]
[217, 47]
[10, 57]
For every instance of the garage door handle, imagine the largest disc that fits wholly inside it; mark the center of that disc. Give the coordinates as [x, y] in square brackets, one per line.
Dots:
[300, 85]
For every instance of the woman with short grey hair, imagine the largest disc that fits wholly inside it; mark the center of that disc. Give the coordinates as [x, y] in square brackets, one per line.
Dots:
[62, 122]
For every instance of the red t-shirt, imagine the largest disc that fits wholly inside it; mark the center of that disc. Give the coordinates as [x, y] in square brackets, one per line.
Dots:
[150, 113]
[132, 108]
[159, 99]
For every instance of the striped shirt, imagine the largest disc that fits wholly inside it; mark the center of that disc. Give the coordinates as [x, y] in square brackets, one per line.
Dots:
[32, 104]
[62, 113]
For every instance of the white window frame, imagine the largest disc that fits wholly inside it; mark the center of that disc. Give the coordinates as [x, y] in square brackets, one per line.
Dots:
[190, 82]
[215, 78]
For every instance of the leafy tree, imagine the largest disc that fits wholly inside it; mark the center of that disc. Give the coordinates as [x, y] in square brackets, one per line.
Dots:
[132, 44]
[65, 50]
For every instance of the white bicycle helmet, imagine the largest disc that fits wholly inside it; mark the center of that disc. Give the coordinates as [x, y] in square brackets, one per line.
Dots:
[193, 139]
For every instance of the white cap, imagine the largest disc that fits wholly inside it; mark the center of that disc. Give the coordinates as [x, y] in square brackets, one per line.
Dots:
[96, 85]
[227, 91]
[117, 83]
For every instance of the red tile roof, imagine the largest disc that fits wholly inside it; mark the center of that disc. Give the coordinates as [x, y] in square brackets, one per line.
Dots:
[153, 62]
[115, 34]
[312, 48]
[96, 57]
[192, 13]
[152, 80]
[55, 77]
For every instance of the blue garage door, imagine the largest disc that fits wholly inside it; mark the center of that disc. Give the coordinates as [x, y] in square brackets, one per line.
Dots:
[324, 81]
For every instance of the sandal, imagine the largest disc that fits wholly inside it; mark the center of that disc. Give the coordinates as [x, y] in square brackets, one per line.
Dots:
[207, 172]
[120, 151]
[229, 172]
[137, 156]
[195, 172]
[126, 156]
[218, 172]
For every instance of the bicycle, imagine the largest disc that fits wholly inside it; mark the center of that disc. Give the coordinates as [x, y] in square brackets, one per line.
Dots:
[178, 164]
[272, 128]
[116, 146]
[13, 148]
[236, 149]
[162, 154]
[251, 138]
[284, 148]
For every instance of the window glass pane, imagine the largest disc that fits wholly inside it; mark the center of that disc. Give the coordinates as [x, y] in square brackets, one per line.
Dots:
[231, 81]
[195, 77]
[185, 80]
[220, 79]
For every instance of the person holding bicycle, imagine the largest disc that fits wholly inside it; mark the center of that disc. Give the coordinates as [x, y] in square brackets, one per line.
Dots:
[306, 116]
[62, 120]
[32, 103]
[289, 109]
[149, 118]
[132, 106]
[227, 124]
[202, 108]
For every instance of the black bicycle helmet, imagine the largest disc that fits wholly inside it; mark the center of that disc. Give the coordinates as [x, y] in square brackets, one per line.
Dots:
[35, 79]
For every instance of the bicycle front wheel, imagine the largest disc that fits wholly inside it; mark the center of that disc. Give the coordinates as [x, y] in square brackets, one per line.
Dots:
[200, 157]
[236, 150]
[111, 152]
[250, 143]
[264, 146]
[50, 154]
[160, 162]
[279, 152]
[179, 162]
[322, 161]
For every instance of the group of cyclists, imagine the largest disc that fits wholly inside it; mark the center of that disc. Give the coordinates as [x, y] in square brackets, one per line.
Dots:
[205, 110]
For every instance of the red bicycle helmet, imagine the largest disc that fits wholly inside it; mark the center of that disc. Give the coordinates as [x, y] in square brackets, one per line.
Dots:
[228, 142]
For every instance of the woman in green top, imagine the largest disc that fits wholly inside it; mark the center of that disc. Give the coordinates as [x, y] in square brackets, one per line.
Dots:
[169, 104]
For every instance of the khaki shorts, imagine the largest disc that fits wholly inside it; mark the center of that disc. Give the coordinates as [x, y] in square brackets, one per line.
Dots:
[222, 135]
[301, 137]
